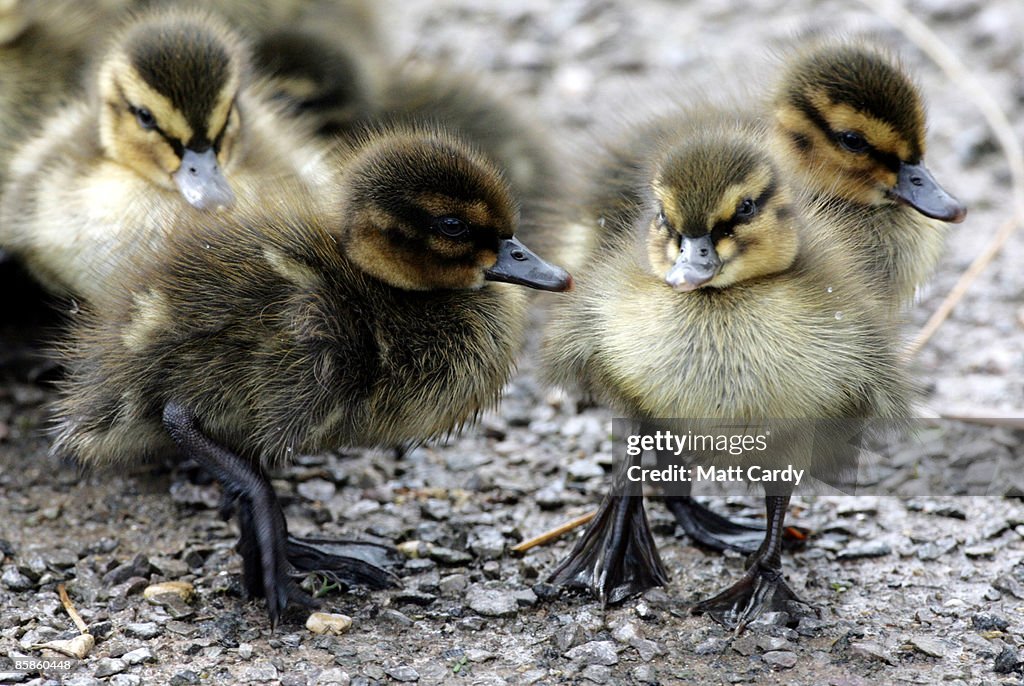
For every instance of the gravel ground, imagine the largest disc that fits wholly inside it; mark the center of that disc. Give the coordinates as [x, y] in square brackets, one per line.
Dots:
[923, 589]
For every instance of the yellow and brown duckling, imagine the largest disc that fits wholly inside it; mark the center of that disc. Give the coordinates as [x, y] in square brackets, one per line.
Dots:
[44, 46]
[171, 121]
[254, 335]
[712, 306]
[850, 125]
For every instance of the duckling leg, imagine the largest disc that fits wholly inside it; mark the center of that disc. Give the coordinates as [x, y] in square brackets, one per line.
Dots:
[269, 554]
[617, 556]
[762, 587]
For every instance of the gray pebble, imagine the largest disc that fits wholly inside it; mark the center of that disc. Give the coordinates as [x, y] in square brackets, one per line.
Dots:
[933, 550]
[125, 680]
[711, 646]
[491, 602]
[525, 597]
[107, 666]
[261, 672]
[447, 556]
[598, 674]
[82, 680]
[184, 678]
[645, 674]
[569, 636]
[864, 549]
[486, 542]
[143, 630]
[1007, 661]
[15, 580]
[402, 673]
[929, 646]
[594, 653]
[870, 650]
[987, 621]
[334, 675]
[780, 659]
[139, 655]
[453, 584]
[473, 623]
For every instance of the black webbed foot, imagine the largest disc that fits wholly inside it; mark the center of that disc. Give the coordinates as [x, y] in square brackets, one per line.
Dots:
[617, 556]
[707, 528]
[711, 530]
[270, 557]
[760, 589]
[346, 561]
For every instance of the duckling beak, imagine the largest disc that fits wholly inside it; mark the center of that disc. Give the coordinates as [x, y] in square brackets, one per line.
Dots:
[698, 263]
[916, 187]
[518, 264]
[201, 182]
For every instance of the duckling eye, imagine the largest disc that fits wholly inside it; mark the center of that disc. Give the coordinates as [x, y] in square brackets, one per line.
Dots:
[452, 227]
[145, 118]
[853, 141]
[746, 209]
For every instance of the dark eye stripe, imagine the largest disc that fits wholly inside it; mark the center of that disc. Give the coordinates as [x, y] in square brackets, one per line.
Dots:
[885, 159]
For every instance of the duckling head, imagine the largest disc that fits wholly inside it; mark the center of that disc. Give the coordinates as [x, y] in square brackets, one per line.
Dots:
[721, 214]
[168, 92]
[853, 121]
[421, 211]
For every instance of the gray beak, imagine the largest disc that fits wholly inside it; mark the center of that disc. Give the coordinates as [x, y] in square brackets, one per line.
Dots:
[916, 187]
[201, 182]
[517, 264]
[697, 264]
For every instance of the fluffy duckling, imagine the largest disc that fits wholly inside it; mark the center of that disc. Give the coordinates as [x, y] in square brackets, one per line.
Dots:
[52, 37]
[171, 121]
[323, 59]
[422, 94]
[710, 305]
[258, 334]
[850, 125]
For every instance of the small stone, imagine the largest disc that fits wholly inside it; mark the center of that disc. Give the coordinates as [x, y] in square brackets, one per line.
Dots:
[328, 623]
[403, 674]
[411, 597]
[491, 602]
[180, 589]
[317, 490]
[473, 623]
[711, 646]
[569, 636]
[245, 650]
[15, 580]
[261, 672]
[933, 550]
[447, 556]
[525, 597]
[107, 666]
[487, 543]
[453, 584]
[334, 675]
[137, 567]
[870, 650]
[13, 677]
[780, 659]
[977, 551]
[143, 630]
[865, 549]
[645, 674]
[125, 680]
[598, 674]
[746, 645]
[390, 615]
[647, 649]
[1007, 661]
[79, 680]
[139, 655]
[594, 653]
[929, 646]
[987, 621]
[478, 655]
[184, 678]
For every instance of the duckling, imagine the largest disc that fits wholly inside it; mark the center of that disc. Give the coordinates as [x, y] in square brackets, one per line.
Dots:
[323, 59]
[850, 125]
[416, 93]
[54, 38]
[172, 120]
[710, 305]
[253, 335]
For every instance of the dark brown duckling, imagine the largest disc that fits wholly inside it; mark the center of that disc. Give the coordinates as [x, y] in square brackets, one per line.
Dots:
[254, 335]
